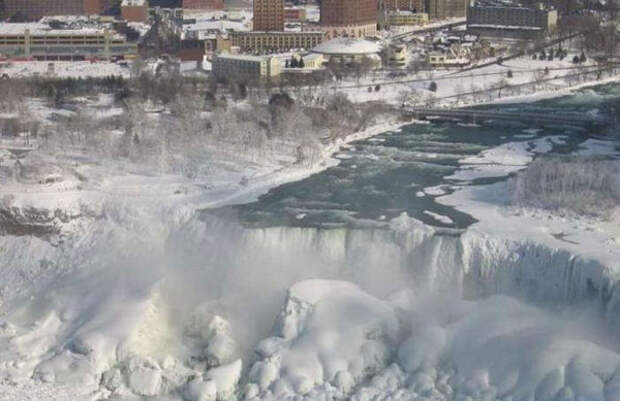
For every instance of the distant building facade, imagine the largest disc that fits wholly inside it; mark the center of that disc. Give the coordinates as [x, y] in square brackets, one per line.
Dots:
[34, 10]
[226, 66]
[135, 10]
[38, 41]
[262, 42]
[405, 5]
[349, 18]
[216, 43]
[450, 59]
[268, 15]
[294, 14]
[203, 4]
[406, 18]
[516, 22]
[442, 9]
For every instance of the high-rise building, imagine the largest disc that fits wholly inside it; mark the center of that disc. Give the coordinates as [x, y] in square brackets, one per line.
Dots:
[203, 4]
[352, 18]
[510, 21]
[92, 7]
[405, 5]
[135, 10]
[442, 9]
[36, 9]
[268, 15]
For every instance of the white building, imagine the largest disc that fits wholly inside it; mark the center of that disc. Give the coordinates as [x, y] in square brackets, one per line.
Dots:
[228, 65]
[349, 50]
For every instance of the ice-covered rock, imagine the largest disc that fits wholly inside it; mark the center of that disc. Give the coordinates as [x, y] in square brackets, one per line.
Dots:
[329, 331]
[144, 376]
[225, 378]
[199, 390]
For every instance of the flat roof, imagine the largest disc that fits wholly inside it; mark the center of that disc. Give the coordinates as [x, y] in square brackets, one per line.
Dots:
[347, 46]
[38, 28]
[244, 57]
[281, 33]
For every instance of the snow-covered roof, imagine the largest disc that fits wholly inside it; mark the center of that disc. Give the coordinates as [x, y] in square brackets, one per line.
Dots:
[38, 28]
[347, 46]
[495, 26]
[244, 57]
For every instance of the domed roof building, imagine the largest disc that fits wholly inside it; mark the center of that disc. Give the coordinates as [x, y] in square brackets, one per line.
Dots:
[349, 50]
[347, 47]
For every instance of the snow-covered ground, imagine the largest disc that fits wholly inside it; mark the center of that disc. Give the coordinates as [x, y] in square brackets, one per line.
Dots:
[100, 308]
[589, 237]
[64, 69]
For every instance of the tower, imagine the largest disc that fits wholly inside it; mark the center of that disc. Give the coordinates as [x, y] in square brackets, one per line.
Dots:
[268, 15]
[353, 18]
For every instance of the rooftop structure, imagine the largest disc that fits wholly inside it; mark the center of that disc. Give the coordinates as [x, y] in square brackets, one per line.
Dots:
[349, 50]
[347, 46]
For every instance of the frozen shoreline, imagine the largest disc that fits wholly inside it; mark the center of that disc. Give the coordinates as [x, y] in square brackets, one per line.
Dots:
[294, 173]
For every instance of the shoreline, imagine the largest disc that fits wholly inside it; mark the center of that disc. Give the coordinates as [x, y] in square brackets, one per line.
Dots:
[233, 194]
[295, 173]
[547, 94]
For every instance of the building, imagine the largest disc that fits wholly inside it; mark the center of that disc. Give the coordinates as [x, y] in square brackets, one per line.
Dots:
[349, 18]
[268, 15]
[398, 55]
[135, 10]
[217, 43]
[495, 19]
[34, 10]
[313, 61]
[450, 59]
[406, 18]
[95, 7]
[264, 42]
[349, 50]
[231, 66]
[296, 14]
[40, 42]
[442, 9]
[203, 4]
[418, 6]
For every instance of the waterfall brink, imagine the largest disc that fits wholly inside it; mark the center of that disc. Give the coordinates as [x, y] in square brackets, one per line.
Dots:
[409, 254]
[367, 314]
